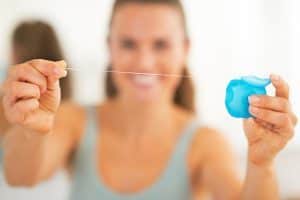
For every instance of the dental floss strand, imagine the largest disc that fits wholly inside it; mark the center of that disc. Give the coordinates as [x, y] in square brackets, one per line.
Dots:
[134, 73]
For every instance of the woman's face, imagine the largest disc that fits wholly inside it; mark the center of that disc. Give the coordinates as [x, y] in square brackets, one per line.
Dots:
[147, 38]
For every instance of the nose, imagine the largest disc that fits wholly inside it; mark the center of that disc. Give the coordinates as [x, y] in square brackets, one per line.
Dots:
[145, 61]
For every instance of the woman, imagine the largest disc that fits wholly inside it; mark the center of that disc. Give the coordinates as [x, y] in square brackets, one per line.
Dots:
[143, 141]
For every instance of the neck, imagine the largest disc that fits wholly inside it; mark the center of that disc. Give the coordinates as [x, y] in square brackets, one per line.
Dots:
[144, 118]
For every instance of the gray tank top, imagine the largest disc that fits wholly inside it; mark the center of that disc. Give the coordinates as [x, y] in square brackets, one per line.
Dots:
[173, 184]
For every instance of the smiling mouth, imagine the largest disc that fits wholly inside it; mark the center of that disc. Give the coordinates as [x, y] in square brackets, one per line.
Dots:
[144, 81]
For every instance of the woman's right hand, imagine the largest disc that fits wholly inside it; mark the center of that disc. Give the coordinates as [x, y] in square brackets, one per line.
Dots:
[32, 94]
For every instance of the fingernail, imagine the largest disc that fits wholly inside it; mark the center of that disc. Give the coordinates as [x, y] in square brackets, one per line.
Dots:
[275, 77]
[65, 73]
[61, 63]
[253, 99]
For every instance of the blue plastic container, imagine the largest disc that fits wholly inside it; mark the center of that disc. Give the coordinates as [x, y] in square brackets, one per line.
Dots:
[238, 91]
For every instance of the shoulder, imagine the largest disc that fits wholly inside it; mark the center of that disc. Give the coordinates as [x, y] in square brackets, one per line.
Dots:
[209, 138]
[212, 162]
[70, 119]
[70, 111]
[206, 140]
[209, 146]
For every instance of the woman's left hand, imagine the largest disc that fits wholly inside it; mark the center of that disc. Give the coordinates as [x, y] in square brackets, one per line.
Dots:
[273, 123]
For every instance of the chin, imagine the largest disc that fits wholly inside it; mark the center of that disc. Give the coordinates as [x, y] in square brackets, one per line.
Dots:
[147, 98]
[144, 96]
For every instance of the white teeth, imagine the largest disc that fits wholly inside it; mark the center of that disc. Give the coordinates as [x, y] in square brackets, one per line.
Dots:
[145, 79]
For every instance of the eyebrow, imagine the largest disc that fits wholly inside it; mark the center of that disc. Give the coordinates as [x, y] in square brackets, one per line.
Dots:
[160, 38]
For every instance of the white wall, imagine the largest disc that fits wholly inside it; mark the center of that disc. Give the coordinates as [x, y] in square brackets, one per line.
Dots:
[229, 38]
[235, 38]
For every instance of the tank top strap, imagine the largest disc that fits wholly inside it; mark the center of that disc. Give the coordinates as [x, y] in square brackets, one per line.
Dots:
[84, 155]
[187, 136]
[91, 129]
[178, 160]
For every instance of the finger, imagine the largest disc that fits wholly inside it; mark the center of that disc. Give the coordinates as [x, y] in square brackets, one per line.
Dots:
[51, 69]
[21, 109]
[278, 119]
[271, 103]
[26, 73]
[294, 119]
[53, 85]
[252, 136]
[21, 90]
[282, 88]
[261, 122]
[264, 124]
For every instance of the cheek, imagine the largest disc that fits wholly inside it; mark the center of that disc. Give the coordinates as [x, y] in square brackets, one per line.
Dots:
[120, 59]
[173, 61]
[173, 64]
[121, 81]
[171, 84]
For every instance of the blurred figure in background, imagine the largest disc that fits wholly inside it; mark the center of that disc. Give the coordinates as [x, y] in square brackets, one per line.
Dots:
[31, 40]
[37, 39]
[143, 142]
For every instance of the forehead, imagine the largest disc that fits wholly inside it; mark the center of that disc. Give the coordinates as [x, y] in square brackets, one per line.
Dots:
[147, 20]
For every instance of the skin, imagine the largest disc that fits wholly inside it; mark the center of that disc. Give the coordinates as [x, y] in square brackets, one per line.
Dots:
[146, 40]
[3, 123]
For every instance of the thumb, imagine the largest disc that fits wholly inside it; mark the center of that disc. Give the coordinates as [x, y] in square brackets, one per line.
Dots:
[59, 72]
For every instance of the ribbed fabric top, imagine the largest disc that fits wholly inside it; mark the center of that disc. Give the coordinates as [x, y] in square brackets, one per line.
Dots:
[174, 182]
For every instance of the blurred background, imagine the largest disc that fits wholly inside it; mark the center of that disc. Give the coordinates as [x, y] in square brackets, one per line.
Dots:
[229, 38]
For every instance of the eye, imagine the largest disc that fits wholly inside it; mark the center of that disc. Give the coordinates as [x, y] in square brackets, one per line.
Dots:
[128, 44]
[161, 45]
